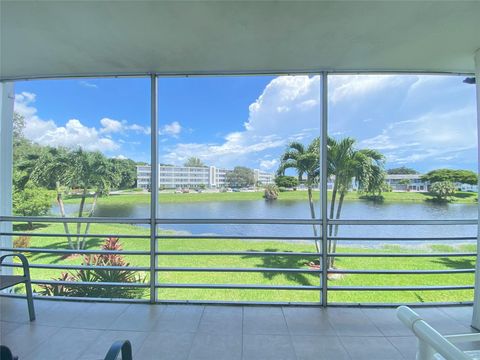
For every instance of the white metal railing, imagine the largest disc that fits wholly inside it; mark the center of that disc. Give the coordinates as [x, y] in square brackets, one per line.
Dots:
[322, 287]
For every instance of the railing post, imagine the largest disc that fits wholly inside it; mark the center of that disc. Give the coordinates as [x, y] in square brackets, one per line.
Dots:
[323, 185]
[7, 97]
[153, 187]
[476, 301]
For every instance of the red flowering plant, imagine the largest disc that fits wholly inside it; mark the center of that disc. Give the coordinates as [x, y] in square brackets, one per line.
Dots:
[109, 274]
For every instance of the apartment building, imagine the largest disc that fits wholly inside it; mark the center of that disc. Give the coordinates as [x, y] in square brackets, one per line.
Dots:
[172, 177]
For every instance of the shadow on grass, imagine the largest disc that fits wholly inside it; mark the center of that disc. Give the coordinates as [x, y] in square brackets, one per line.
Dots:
[282, 261]
[456, 263]
[26, 227]
[56, 258]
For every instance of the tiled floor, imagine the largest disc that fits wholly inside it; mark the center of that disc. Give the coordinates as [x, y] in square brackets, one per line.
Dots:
[75, 330]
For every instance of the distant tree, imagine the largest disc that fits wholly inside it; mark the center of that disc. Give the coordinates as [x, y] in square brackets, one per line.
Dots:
[402, 171]
[286, 181]
[240, 177]
[271, 192]
[194, 162]
[442, 190]
[126, 171]
[18, 126]
[454, 176]
[32, 201]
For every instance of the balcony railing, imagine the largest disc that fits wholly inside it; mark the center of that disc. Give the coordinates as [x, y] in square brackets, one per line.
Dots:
[158, 269]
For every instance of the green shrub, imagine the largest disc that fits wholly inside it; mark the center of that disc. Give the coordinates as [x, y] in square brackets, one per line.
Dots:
[99, 275]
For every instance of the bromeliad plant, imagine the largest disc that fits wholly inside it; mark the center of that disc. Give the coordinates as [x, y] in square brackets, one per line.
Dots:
[99, 275]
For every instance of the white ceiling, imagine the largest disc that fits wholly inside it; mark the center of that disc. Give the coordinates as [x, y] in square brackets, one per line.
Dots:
[50, 38]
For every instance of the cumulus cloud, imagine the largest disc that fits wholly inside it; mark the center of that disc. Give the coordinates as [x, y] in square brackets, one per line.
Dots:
[287, 109]
[173, 129]
[110, 125]
[47, 132]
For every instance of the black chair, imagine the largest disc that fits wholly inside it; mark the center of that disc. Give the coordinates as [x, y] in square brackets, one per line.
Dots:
[6, 354]
[122, 346]
[7, 281]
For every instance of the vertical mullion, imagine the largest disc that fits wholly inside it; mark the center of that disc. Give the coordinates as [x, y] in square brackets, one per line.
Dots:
[153, 187]
[6, 164]
[476, 300]
[323, 184]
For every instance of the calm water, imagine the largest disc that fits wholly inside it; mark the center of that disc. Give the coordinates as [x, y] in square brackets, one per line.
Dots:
[300, 210]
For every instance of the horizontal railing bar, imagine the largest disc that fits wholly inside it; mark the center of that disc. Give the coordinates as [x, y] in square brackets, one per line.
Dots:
[80, 267]
[457, 238]
[401, 254]
[275, 270]
[51, 219]
[400, 288]
[397, 304]
[234, 237]
[237, 286]
[229, 253]
[412, 272]
[54, 219]
[74, 251]
[89, 283]
[77, 298]
[241, 221]
[242, 303]
[403, 222]
[74, 235]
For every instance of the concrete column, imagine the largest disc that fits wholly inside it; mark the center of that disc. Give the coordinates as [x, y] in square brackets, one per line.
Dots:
[6, 162]
[476, 304]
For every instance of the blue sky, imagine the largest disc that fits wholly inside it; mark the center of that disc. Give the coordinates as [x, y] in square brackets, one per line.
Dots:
[424, 122]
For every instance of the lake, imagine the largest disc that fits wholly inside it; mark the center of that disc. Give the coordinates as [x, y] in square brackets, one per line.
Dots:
[259, 209]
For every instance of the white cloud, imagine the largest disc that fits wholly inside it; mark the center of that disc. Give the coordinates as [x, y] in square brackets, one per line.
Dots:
[268, 164]
[172, 129]
[288, 109]
[432, 136]
[120, 157]
[88, 84]
[139, 129]
[352, 87]
[46, 132]
[110, 125]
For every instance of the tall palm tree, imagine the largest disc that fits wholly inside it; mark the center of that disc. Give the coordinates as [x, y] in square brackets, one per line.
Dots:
[347, 164]
[306, 162]
[75, 169]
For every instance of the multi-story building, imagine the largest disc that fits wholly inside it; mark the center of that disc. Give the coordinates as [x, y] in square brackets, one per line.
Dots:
[172, 177]
[407, 182]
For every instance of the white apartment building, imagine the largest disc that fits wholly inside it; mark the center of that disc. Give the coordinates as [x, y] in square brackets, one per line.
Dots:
[172, 177]
[407, 182]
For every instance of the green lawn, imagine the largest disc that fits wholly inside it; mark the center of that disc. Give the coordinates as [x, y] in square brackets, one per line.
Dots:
[256, 261]
[168, 197]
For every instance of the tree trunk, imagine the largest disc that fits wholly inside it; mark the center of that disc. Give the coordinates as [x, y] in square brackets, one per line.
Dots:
[312, 214]
[62, 213]
[90, 214]
[80, 214]
[337, 216]
[332, 210]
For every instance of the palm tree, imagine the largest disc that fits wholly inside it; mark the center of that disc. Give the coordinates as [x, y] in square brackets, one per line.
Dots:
[306, 162]
[346, 165]
[63, 169]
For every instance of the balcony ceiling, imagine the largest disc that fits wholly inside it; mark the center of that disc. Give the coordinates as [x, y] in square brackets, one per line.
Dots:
[46, 38]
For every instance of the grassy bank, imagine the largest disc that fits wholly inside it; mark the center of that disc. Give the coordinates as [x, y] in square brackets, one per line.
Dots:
[259, 261]
[138, 198]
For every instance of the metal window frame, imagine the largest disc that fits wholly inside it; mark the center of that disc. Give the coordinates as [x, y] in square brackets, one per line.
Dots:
[153, 221]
